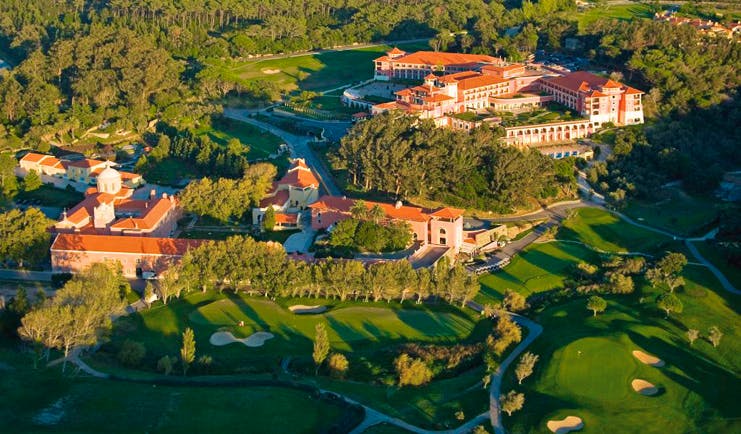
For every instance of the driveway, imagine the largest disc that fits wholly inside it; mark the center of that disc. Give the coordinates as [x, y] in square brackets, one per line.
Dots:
[298, 145]
[300, 241]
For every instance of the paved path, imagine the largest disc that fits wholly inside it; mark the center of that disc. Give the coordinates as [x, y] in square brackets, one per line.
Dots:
[41, 276]
[298, 145]
[534, 330]
[727, 285]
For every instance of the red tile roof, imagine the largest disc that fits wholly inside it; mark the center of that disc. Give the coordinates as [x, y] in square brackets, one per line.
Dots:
[151, 217]
[280, 198]
[396, 50]
[343, 205]
[33, 157]
[86, 163]
[299, 177]
[281, 217]
[118, 244]
[584, 81]
[479, 81]
[437, 98]
[439, 58]
[448, 213]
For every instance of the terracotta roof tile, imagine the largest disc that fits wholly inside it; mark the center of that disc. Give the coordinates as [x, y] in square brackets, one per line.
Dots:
[120, 244]
[281, 217]
[33, 157]
[343, 205]
[280, 198]
[445, 59]
[479, 81]
[86, 163]
[448, 213]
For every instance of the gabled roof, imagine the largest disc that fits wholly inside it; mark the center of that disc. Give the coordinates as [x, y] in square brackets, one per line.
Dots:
[438, 97]
[120, 244]
[153, 213]
[33, 157]
[86, 163]
[281, 217]
[448, 213]
[343, 205]
[439, 58]
[280, 198]
[396, 50]
[583, 81]
[300, 177]
[479, 81]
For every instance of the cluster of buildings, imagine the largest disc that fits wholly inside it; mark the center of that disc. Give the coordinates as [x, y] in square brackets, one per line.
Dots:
[110, 224]
[453, 84]
[706, 27]
[295, 199]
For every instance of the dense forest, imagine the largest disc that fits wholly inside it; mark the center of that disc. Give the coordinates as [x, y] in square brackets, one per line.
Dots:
[404, 158]
[80, 63]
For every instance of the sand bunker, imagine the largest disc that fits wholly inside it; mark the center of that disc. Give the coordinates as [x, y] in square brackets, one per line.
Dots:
[270, 71]
[648, 359]
[300, 308]
[565, 425]
[255, 340]
[644, 387]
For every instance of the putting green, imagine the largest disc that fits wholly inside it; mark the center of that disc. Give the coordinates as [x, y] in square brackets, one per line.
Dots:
[344, 324]
[585, 371]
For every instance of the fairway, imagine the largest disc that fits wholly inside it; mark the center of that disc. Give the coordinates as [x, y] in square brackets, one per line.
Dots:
[317, 72]
[618, 12]
[678, 213]
[540, 267]
[351, 326]
[605, 231]
[587, 370]
[46, 401]
[346, 325]
[260, 142]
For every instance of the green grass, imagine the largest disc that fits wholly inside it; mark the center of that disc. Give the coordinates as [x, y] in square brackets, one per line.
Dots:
[170, 171]
[91, 405]
[51, 196]
[431, 406]
[317, 72]
[586, 365]
[203, 234]
[277, 236]
[618, 12]
[712, 253]
[351, 327]
[540, 267]
[677, 213]
[604, 231]
[260, 142]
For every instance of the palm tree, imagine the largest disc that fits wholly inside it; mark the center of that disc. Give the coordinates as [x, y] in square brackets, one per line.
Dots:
[359, 210]
[376, 213]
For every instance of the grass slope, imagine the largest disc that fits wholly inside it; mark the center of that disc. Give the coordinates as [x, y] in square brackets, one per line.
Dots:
[51, 196]
[604, 231]
[75, 404]
[586, 369]
[540, 267]
[317, 72]
[351, 327]
[678, 212]
[260, 142]
[619, 12]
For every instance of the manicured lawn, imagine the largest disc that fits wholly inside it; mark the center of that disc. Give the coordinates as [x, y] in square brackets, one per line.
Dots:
[432, 406]
[540, 267]
[586, 365]
[317, 72]
[619, 12]
[198, 234]
[260, 142]
[51, 196]
[710, 252]
[351, 327]
[602, 230]
[678, 213]
[277, 236]
[45, 401]
[170, 171]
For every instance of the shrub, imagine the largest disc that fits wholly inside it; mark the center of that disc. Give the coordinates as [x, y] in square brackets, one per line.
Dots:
[165, 364]
[131, 353]
[411, 371]
[338, 365]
